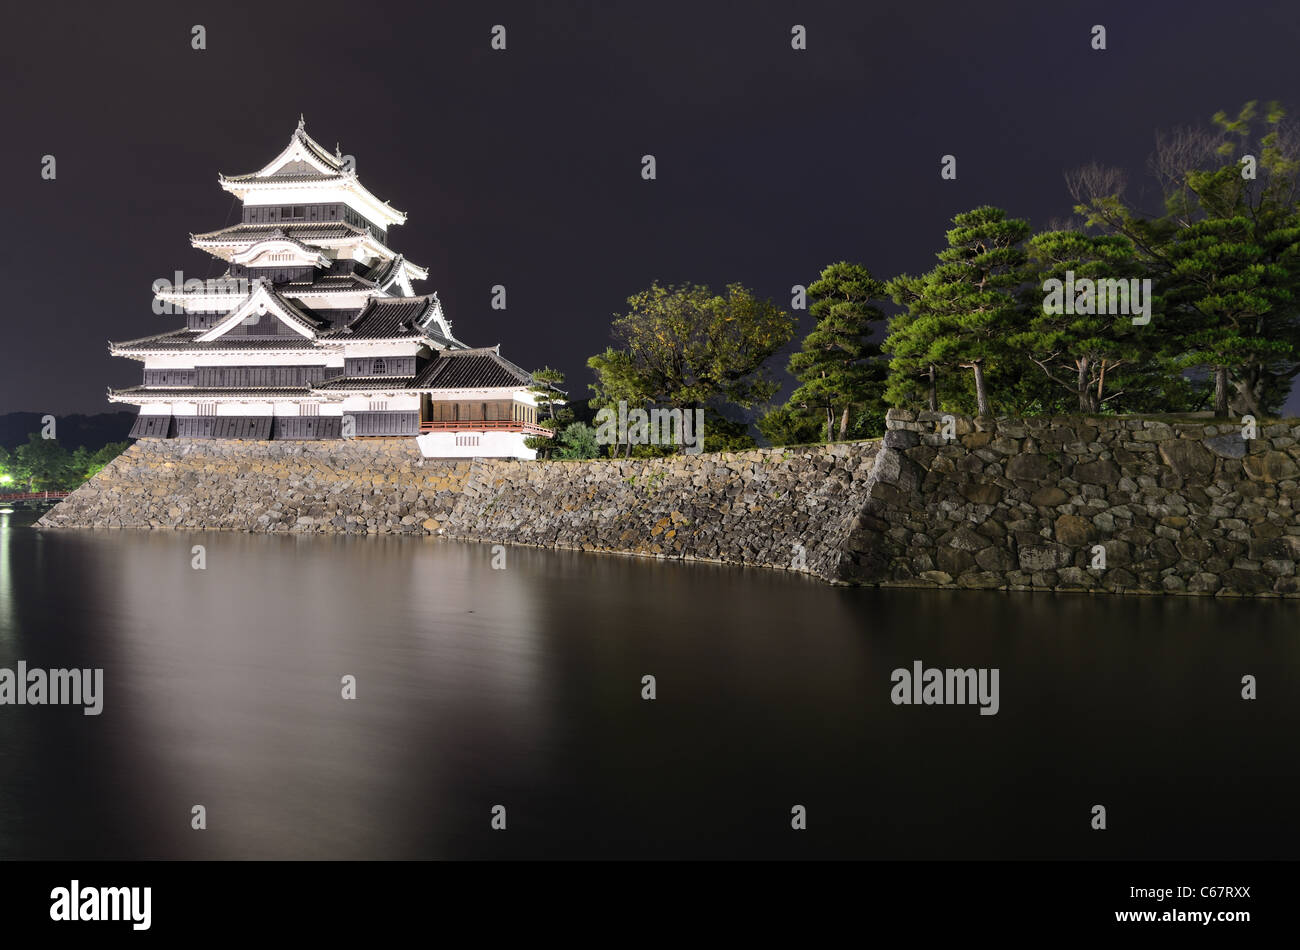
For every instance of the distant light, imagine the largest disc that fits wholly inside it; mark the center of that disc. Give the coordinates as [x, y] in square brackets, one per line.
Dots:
[6, 511]
[6, 479]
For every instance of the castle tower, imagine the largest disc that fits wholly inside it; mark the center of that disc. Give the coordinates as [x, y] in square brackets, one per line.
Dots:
[315, 331]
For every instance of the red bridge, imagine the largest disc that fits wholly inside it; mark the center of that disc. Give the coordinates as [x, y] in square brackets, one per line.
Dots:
[35, 496]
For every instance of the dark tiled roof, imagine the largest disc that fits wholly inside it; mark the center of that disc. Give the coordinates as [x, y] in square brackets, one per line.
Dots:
[386, 318]
[173, 392]
[278, 179]
[179, 340]
[172, 338]
[367, 382]
[318, 150]
[442, 339]
[386, 272]
[332, 283]
[314, 231]
[383, 318]
[471, 369]
[302, 316]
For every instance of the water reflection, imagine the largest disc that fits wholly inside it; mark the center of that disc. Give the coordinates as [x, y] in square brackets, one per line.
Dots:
[522, 687]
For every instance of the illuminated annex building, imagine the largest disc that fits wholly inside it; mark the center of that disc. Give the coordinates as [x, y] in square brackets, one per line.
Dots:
[315, 330]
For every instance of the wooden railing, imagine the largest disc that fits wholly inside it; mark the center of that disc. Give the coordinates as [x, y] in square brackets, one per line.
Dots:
[485, 425]
[35, 496]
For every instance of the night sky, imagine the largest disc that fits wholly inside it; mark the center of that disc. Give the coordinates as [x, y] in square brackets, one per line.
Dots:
[523, 167]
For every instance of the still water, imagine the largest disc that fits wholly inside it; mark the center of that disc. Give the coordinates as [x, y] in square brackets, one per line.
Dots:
[523, 688]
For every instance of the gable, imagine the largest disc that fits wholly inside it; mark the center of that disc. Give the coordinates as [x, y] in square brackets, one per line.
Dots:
[280, 252]
[264, 313]
[295, 167]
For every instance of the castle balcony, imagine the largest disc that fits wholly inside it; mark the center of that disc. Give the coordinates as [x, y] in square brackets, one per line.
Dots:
[485, 425]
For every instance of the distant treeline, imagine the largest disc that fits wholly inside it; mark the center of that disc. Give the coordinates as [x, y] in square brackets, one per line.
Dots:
[46, 465]
[92, 431]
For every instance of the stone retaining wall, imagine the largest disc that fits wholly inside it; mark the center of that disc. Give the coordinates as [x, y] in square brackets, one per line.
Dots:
[1024, 504]
[789, 509]
[375, 486]
[1072, 503]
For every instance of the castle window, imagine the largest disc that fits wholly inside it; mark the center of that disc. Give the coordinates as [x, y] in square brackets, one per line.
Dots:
[379, 368]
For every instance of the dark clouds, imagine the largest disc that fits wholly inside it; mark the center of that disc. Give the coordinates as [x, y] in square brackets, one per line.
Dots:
[522, 167]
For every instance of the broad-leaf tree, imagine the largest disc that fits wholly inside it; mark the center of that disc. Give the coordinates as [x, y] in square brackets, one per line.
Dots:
[686, 347]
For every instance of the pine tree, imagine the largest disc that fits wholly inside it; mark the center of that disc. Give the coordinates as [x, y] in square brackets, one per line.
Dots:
[1225, 254]
[960, 313]
[1235, 278]
[908, 363]
[1088, 342]
[552, 413]
[835, 363]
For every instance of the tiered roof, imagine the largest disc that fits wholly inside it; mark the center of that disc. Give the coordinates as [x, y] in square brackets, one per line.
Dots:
[382, 319]
[174, 392]
[390, 310]
[179, 341]
[483, 368]
[305, 164]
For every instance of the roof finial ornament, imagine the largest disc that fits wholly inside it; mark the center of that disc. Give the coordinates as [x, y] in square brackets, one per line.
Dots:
[302, 123]
[338, 152]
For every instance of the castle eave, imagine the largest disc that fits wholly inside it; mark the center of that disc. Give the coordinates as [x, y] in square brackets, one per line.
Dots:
[137, 393]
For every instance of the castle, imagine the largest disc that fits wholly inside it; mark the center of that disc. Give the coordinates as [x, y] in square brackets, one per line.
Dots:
[315, 331]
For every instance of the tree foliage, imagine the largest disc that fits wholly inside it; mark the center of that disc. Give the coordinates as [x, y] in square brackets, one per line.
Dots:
[44, 465]
[960, 313]
[1223, 251]
[552, 413]
[685, 347]
[837, 366]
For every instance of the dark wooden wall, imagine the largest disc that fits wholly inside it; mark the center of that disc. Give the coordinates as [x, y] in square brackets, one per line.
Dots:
[154, 427]
[308, 214]
[307, 427]
[202, 319]
[278, 427]
[282, 273]
[386, 423]
[392, 366]
[223, 427]
[169, 377]
[241, 377]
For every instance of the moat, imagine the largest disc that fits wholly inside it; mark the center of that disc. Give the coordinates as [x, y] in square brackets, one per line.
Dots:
[523, 687]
